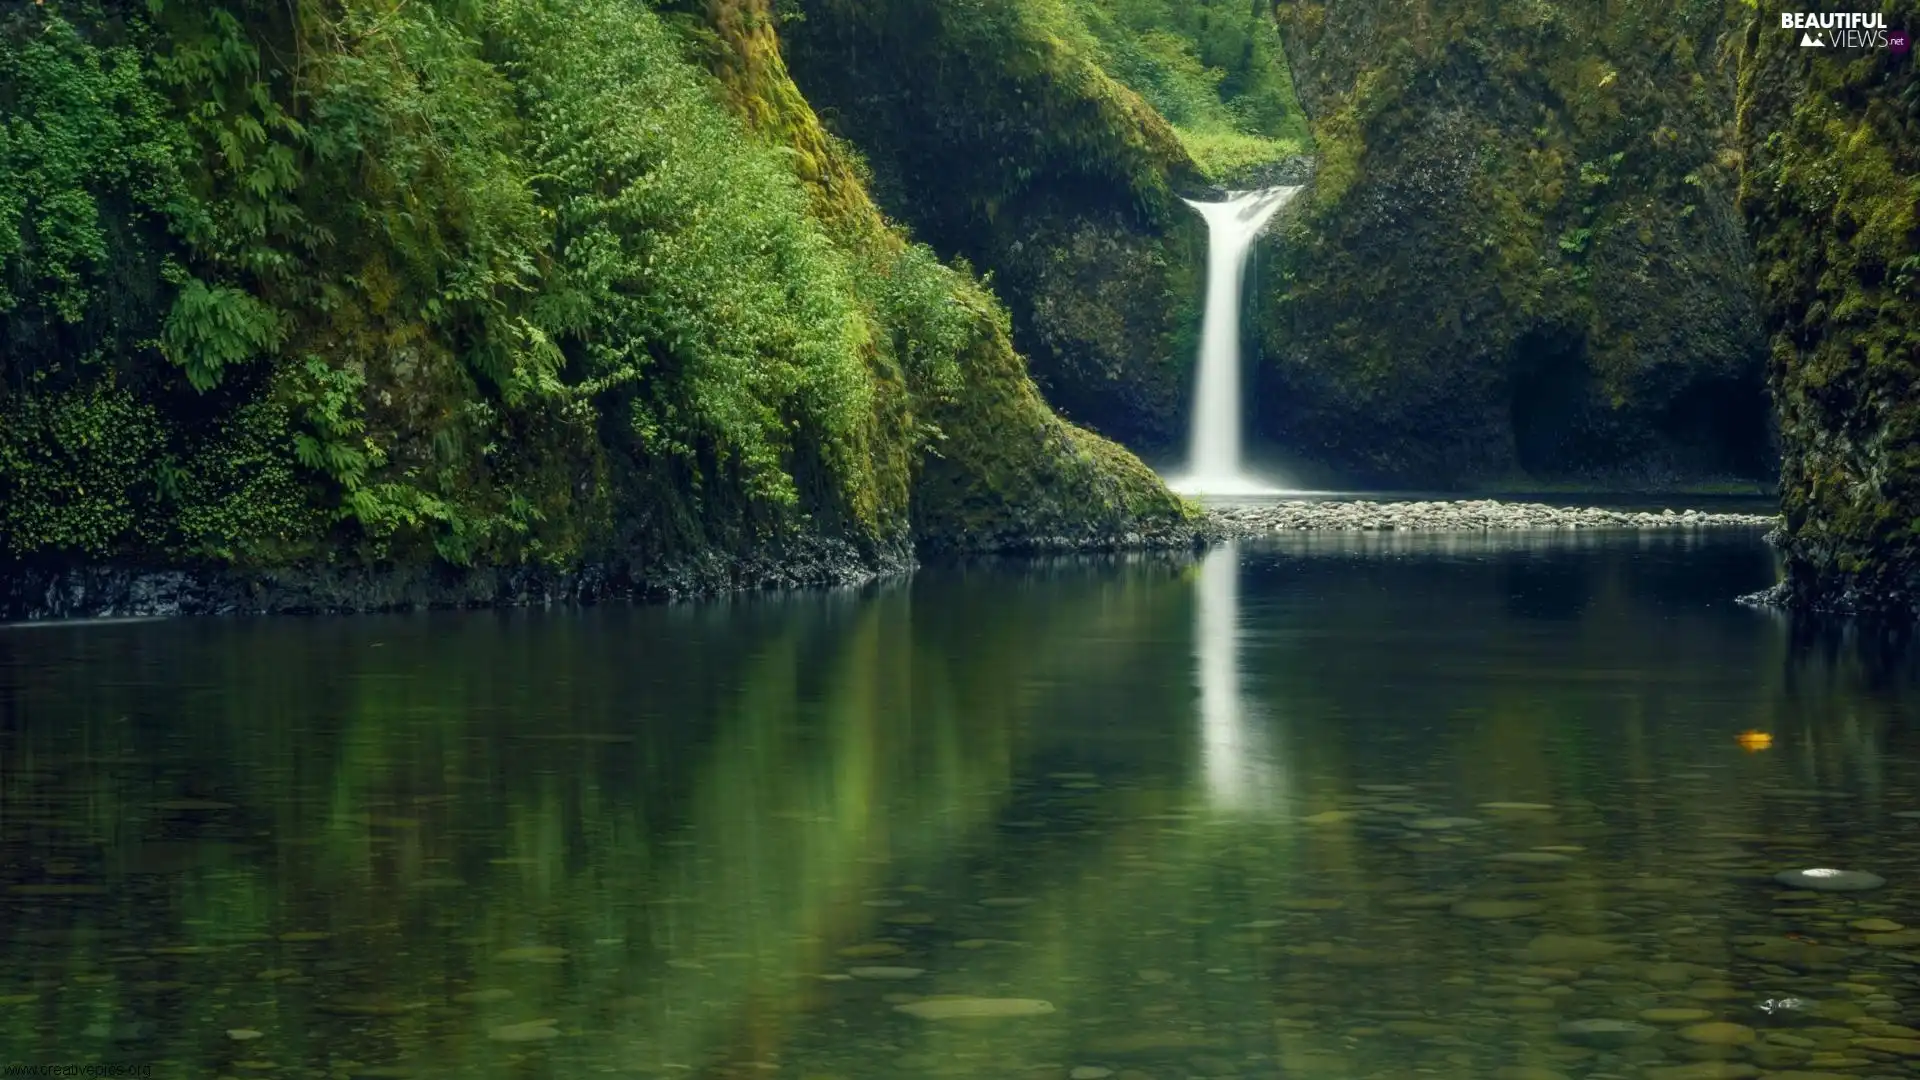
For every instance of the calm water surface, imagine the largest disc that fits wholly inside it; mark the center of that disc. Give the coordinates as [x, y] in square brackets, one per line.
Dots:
[1339, 807]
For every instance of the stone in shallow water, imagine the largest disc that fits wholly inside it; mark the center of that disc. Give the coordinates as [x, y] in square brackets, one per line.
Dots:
[1497, 909]
[886, 972]
[1531, 858]
[1565, 948]
[1828, 879]
[1877, 926]
[974, 1008]
[1703, 1070]
[1718, 1033]
[1526, 1072]
[1903, 1047]
[1438, 823]
[533, 954]
[531, 1031]
[1898, 939]
[1674, 1015]
[1606, 1032]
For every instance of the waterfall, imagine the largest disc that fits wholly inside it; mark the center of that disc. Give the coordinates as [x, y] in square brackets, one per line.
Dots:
[1213, 464]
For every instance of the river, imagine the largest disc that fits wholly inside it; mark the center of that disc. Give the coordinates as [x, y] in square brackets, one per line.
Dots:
[1323, 806]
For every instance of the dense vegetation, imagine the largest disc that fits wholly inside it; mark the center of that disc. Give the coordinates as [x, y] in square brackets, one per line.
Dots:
[1831, 140]
[480, 284]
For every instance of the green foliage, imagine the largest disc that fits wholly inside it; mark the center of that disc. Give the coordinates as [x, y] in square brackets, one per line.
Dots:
[1831, 190]
[482, 282]
[76, 468]
[1213, 68]
[210, 329]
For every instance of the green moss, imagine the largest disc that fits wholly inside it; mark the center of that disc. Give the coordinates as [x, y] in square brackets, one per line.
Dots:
[1830, 191]
[1519, 253]
[472, 284]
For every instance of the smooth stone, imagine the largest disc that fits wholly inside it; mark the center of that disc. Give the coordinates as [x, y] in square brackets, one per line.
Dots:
[1718, 1033]
[1436, 823]
[531, 1031]
[1497, 909]
[533, 954]
[974, 1008]
[1826, 879]
[1565, 948]
[244, 1034]
[886, 972]
[1674, 1016]
[1605, 1032]
[1876, 926]
[1903, 1047]
[1657, 885]
[1703, 1070]
[1419, 1029]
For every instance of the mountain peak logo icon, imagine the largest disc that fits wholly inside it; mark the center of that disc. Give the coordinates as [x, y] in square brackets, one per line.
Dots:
[1810, 41]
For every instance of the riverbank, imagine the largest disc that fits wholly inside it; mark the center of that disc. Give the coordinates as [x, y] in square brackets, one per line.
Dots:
[1474, 515]
[30, 593]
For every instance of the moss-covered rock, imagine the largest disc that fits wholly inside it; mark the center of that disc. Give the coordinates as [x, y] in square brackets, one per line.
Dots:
[1519, 256]
[998, 134]
[512, 287]
[1831, 191]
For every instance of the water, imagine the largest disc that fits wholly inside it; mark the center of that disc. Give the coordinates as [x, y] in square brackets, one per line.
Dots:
[1214, 465]
[1228, 818]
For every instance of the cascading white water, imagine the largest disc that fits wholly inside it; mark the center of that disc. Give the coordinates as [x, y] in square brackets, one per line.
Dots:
[1213, 465]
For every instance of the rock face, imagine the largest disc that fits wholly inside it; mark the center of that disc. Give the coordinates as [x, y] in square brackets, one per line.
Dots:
[999, 142]
[602, 334]
[1520, 253]
[1832, 152]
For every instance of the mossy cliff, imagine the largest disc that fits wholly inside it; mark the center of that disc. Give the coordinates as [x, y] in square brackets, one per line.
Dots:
[1520, 255]
[1046, 141]
[483, 299]
[1831, 191]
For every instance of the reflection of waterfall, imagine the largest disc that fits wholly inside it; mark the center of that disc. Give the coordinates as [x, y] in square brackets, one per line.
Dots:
[1214, 465]
[1240, 771]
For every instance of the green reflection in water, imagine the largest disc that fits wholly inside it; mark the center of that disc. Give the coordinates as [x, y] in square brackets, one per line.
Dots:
[1228, 818]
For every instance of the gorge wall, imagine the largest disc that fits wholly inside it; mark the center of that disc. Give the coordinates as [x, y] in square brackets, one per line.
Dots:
[1831, 190]
[317, 305]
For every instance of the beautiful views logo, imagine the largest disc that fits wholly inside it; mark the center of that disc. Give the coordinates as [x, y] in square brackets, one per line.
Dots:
[1844, 30]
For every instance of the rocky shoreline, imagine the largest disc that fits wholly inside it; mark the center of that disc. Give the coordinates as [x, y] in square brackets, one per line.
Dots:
[1479, 515]
[107, 591]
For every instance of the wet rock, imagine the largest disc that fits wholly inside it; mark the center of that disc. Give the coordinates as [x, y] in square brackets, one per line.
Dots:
[1828, 879]
[1497, 909]
[1718, 1033]
[974, 1008]
[1903, 1047]
[1565, 949]
[1674, 1015]
[1606, 1033]
[530, 1031]
[1877, 926]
